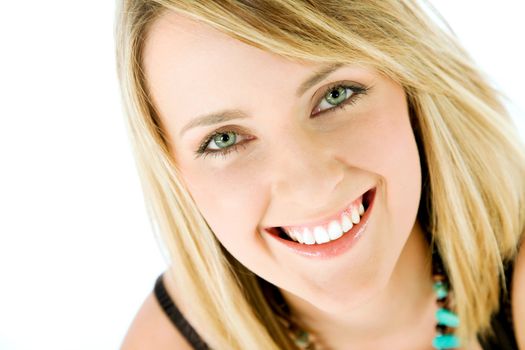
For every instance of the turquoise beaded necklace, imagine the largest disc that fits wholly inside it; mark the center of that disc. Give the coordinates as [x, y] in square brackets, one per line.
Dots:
[446, 320]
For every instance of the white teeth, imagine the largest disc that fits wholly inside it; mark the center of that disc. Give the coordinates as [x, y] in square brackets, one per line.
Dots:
[355, 215]
[299, 237]
[347, 224]
[321, 236]
[308, 237]
[291, 234]
[334, 230]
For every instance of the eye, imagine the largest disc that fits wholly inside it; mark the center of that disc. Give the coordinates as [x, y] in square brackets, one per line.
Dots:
[338, 96]
[222, 140]
[222, 143]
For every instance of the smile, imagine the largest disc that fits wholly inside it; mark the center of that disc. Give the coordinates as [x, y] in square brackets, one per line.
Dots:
[332, 235]
[328, 230]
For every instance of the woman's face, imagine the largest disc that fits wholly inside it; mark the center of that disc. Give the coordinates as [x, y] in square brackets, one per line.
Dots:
[290, 158]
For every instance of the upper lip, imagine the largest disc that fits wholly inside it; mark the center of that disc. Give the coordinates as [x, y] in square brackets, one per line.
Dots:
[324, 218]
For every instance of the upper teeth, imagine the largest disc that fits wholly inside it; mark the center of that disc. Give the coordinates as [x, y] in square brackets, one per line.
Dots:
[330, 231]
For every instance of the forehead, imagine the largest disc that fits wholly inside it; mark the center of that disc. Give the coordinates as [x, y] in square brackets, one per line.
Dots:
[185, 61]
[177, 44]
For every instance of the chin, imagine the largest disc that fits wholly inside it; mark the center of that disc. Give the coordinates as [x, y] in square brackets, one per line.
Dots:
[339, 299]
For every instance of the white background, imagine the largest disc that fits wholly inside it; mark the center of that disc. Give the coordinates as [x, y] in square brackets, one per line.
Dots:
[77, 256]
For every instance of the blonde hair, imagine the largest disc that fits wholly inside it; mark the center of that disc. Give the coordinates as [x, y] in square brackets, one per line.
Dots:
[473, 161]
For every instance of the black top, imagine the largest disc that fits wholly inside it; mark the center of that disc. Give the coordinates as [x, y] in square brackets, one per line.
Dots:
[501, 322]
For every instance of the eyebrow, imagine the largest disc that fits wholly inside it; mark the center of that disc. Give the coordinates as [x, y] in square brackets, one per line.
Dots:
[229, 114]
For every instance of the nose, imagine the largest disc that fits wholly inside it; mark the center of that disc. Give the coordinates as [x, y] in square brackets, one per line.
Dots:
[306, 173]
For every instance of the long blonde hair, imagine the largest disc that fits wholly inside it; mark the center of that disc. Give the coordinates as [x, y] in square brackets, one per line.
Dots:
[473, 161]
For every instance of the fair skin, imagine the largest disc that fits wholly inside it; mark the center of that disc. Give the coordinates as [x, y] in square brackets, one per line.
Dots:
[292, 168]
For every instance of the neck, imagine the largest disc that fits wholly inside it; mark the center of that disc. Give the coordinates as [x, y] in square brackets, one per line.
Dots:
[405, 305]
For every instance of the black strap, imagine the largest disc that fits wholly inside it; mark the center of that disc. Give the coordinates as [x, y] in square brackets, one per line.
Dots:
[176, 317]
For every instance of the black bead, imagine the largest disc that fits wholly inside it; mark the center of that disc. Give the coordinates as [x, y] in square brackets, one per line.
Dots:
[441, 329]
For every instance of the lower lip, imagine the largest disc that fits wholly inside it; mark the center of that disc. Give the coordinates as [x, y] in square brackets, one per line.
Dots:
[333, 248]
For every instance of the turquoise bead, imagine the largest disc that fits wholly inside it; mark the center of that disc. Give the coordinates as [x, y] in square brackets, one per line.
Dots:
[447, 318]
[302, 339]
[441, 289]
[445, 341]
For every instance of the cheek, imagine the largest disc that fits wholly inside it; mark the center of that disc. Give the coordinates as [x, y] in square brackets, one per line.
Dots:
[401, 167]
[396, 159]
[383, 145]
[231, 205]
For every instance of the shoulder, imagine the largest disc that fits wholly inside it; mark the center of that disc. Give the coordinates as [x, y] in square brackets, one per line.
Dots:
[518, 297]
[152, 329]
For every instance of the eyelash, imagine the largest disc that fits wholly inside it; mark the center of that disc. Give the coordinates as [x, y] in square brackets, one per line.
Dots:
[357, 91]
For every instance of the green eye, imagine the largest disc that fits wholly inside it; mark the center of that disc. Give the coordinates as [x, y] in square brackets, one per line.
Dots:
[339, 96]
[222, 143]
[223, 140]
[336, 96]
